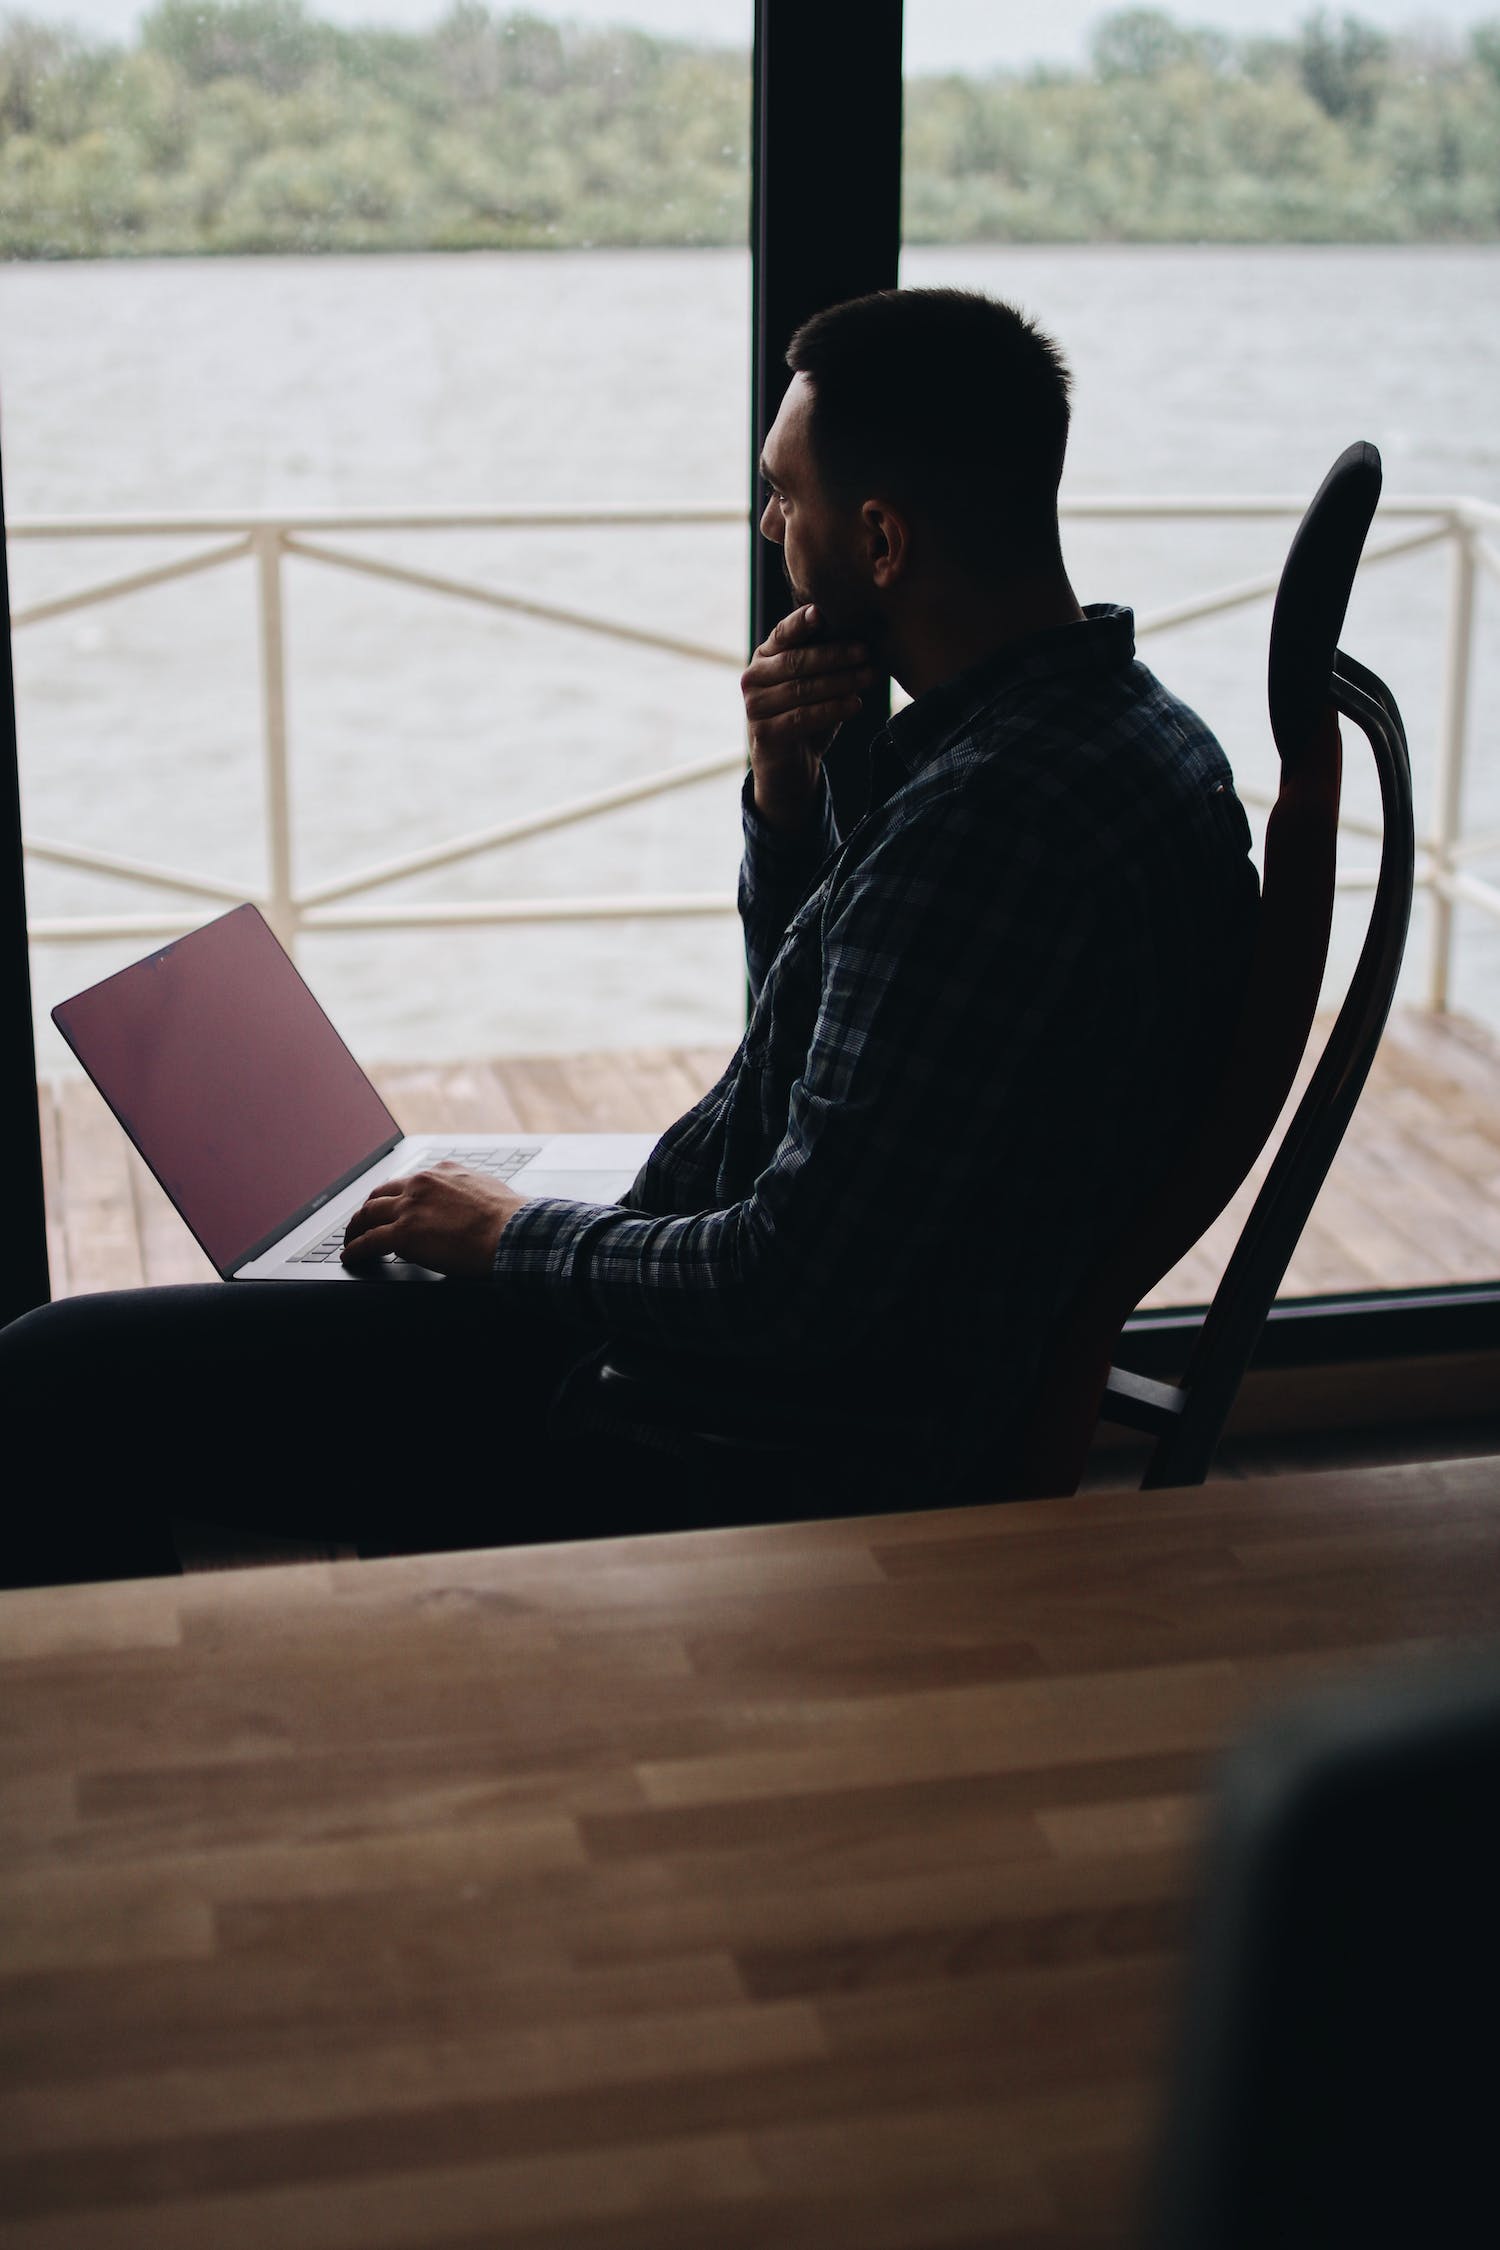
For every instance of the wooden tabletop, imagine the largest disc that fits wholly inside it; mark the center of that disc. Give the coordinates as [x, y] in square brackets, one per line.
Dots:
[819, 1886]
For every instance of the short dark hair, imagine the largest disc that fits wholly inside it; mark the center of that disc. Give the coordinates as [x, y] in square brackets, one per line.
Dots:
[954, 402]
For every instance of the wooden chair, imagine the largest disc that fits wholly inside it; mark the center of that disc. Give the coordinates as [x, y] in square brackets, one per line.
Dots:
[1311, 684]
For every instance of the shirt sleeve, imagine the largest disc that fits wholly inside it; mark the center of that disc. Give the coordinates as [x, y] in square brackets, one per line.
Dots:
[893, 1124]
[777, 873]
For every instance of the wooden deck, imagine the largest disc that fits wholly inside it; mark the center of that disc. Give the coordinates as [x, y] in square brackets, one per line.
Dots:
[1414, 1198]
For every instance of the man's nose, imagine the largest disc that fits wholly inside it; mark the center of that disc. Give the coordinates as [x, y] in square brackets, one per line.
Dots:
[771, 525]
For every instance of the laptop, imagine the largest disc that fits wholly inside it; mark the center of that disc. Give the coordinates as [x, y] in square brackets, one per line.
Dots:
[259, 1123]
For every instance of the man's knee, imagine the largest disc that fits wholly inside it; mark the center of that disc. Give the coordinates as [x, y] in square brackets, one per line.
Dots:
[36, 1347]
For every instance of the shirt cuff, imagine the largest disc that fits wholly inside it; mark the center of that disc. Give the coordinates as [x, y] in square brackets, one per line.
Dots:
[538, 1243]
[785, 856]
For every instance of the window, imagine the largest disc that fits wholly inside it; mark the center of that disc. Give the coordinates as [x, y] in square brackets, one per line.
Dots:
[295, 297]
[1226, 350]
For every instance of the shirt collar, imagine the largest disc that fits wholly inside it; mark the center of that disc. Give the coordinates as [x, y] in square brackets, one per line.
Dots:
[1102, 640]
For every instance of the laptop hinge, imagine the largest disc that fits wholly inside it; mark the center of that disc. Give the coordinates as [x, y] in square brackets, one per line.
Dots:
[290, 1226]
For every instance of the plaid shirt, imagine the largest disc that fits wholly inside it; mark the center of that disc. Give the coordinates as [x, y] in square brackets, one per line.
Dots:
[978, 1021]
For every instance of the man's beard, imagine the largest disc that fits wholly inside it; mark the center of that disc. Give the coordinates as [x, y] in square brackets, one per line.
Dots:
[845, 610]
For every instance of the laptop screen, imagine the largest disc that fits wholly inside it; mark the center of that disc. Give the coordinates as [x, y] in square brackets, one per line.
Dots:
[230, 1080]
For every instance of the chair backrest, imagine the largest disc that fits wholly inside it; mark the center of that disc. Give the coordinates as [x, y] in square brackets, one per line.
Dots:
[1310, 683]
[1345, 1973]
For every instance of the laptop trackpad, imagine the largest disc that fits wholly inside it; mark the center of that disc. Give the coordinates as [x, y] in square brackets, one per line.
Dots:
[573, 1187]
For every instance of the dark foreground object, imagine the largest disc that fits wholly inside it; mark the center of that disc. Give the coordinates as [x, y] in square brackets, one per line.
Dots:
[1338, 2077]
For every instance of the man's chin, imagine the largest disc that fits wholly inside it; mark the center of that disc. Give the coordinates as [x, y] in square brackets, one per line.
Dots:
[841, 620]
[830, 608]
[843, 615]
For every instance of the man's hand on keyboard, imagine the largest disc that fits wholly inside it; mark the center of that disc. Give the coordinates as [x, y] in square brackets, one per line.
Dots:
[446, 1218]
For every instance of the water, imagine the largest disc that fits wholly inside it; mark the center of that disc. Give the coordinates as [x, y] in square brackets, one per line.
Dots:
[622, 376]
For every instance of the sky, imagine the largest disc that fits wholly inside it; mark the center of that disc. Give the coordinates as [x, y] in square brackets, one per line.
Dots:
[940, 34]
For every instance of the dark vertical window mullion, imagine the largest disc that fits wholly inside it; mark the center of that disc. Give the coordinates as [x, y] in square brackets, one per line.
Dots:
[24, 1279]
[825, 225]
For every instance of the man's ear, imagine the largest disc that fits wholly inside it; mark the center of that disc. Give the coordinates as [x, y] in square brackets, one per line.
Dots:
[887, 541]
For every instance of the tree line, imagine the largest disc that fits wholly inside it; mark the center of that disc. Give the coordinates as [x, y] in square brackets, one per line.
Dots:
[253, 126]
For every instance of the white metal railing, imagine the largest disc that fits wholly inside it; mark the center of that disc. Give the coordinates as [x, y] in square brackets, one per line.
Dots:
[1469, 528]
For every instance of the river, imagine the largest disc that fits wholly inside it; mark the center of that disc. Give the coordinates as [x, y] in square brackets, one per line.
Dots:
[414, 382]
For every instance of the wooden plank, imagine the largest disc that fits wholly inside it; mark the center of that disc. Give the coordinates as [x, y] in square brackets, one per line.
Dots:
[59, 1271]
[168, 1252]
[1353, 1234]
[1457, 1056]
[614, 1095]
[705, 1065]
[1450, 1229]
[602, 1096]
[99, 1227]
[543, 1097]
[678, 1077]
[1413, 1196]
[493, 1099]
[460, 1097]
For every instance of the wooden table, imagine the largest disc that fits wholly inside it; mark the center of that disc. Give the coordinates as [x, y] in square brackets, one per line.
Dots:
[820, 1886]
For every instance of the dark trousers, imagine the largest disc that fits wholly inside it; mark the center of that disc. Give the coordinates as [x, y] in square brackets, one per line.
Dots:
[392, 1417]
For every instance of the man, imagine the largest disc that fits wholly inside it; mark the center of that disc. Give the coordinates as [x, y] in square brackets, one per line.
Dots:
[980, 1021]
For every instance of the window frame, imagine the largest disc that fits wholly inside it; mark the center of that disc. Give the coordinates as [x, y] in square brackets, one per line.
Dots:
[24, 1277]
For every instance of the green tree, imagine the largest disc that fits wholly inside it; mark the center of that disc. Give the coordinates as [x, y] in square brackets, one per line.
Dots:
[1436, 152]
[1140, 43]
[1343, 66]
[273, 43]
[154, 105]
[52, 82]
[30, 54]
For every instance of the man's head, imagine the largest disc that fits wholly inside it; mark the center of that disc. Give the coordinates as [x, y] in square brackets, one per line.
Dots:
[934, 415]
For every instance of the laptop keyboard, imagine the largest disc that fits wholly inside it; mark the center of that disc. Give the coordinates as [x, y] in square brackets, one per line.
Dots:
[497, 1163]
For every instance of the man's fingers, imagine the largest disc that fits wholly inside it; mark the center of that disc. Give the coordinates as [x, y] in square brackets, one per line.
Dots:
[795, 638]
[376, 1209]
[780, 690]
[361, 1224]
[798, 625]
[809, 660]
[369, 1244]
[805, 719]
[407, 1184]
[800, 700]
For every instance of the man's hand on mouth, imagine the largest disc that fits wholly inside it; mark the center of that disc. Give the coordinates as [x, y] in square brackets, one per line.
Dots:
[798, 690]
